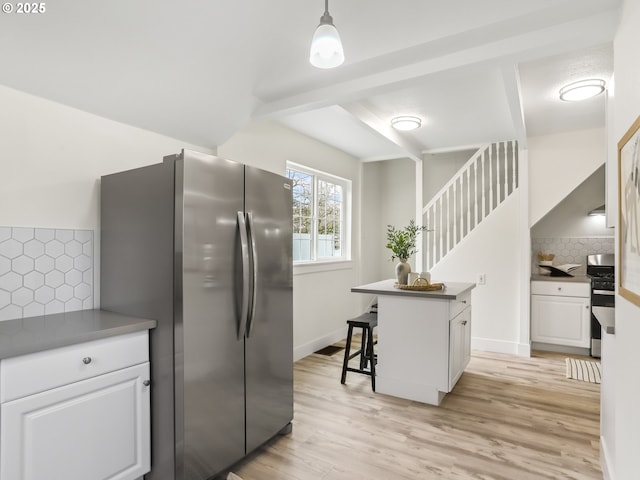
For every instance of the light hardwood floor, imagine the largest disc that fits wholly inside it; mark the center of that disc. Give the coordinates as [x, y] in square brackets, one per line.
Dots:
[507, 418]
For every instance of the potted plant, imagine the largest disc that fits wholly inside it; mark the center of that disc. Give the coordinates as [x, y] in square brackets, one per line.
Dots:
[402, 243]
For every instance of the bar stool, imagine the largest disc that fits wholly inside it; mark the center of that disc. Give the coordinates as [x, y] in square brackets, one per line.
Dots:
[367, 322]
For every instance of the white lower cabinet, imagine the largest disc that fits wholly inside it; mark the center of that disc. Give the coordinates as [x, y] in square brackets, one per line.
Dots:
[459, 345]
[561, 313]
[424, 345]
[94, 428]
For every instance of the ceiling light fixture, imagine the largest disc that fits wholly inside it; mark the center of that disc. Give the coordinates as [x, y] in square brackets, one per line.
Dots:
[406, 123]
[326, 47]
[576, 91]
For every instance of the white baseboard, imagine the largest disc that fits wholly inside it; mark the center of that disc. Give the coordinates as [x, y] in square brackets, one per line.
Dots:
[524, 349]
[485, 344]
[308, 348]
[605, 461]
[499, 346]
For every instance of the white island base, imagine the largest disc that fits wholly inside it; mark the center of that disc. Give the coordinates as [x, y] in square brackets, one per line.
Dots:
[424, 339]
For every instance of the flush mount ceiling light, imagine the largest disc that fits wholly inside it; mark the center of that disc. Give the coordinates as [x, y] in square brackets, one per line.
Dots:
[598, 212]
[576, 91]
[326, 47]
[406, 123]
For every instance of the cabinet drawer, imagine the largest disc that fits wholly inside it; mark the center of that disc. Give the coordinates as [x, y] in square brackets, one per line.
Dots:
[459, 304]
[37, 372]
[564, 289]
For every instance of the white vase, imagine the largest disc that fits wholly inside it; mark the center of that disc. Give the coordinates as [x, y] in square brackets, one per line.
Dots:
[402, 271]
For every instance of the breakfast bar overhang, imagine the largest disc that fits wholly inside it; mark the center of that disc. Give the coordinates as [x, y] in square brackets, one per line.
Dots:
[424, 339]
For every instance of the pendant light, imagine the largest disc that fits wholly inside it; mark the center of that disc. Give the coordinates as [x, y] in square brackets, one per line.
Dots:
[326, 47]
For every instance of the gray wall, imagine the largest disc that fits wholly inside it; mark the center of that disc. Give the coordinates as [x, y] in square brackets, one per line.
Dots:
[388, 198]
[439, 168]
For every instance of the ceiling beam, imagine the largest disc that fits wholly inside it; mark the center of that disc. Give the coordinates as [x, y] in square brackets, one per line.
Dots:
[503, 43]
[384, 129]
[511, 78]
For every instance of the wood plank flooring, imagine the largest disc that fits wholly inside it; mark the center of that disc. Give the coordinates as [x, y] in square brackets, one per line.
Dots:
[507, 418]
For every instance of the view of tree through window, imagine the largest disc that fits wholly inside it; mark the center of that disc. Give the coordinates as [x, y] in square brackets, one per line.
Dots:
[318, 215]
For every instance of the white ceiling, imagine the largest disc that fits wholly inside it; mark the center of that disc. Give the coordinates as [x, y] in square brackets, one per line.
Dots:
[475, 71]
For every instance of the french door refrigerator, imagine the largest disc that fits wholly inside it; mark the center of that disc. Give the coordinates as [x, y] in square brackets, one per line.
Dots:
[204, 246]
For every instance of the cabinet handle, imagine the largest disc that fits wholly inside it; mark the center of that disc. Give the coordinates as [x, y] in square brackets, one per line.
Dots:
[146, 383]
[86, 360]
[464, 301]
[559, 289]
[464, 322]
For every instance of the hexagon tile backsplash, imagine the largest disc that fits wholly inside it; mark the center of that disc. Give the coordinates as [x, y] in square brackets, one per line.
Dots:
[570, 250]
[45, 271]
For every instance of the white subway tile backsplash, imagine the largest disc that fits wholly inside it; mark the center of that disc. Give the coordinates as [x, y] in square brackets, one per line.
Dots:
[44, 270]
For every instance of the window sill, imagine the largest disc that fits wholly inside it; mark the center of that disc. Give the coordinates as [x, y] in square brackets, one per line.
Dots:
[315, 267]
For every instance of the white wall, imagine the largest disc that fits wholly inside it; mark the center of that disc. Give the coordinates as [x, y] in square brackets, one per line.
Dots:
[558, 164]
[491, 248]
[322, 301]
[53, 157]
[569, 218]
[621, 430]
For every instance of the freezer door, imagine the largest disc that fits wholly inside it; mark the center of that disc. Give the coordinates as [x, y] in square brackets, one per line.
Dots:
[269, 342]
[208, 350]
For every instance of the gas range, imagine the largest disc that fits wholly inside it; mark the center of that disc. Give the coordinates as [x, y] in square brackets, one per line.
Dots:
[601, 269]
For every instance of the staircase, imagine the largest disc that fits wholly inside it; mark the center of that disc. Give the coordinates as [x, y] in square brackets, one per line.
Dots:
[484, 182]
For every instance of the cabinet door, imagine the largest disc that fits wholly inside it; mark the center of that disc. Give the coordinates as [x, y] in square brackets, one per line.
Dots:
[560, 320]
[459, 345]
[92, 429]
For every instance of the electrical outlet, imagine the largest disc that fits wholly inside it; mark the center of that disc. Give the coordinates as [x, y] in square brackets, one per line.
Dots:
[482, 279]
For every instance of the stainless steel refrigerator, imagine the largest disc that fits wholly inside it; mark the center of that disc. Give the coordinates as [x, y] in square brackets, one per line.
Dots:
[204, 245]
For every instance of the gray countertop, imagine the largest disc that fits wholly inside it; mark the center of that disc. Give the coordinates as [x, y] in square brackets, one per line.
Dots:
[385, 287]
[548, 278]
[607, 318]
[35, 334]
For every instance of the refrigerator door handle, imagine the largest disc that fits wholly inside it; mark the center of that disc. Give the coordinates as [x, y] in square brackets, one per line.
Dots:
[246, 275]
[254, 273]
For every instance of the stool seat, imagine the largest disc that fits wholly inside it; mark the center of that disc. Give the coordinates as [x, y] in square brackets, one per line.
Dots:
[367, 322]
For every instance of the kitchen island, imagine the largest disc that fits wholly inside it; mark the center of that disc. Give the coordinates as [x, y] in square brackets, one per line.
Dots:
[424, 339]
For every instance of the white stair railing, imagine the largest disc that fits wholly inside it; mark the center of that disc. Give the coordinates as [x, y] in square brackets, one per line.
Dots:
[483, 183]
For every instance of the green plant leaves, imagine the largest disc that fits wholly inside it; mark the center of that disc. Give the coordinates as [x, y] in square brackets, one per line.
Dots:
[402, 242]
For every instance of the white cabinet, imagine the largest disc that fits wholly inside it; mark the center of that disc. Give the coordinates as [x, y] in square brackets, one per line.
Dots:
[459, 345]
[77, 413]
[424, 345]
[560, 313]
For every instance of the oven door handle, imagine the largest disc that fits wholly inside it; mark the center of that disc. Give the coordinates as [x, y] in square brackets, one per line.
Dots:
[603, 292]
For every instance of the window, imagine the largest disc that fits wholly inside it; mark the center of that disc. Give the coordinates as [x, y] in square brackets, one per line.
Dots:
[320, 212]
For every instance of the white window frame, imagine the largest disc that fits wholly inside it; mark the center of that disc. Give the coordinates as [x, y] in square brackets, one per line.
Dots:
[326, 263]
